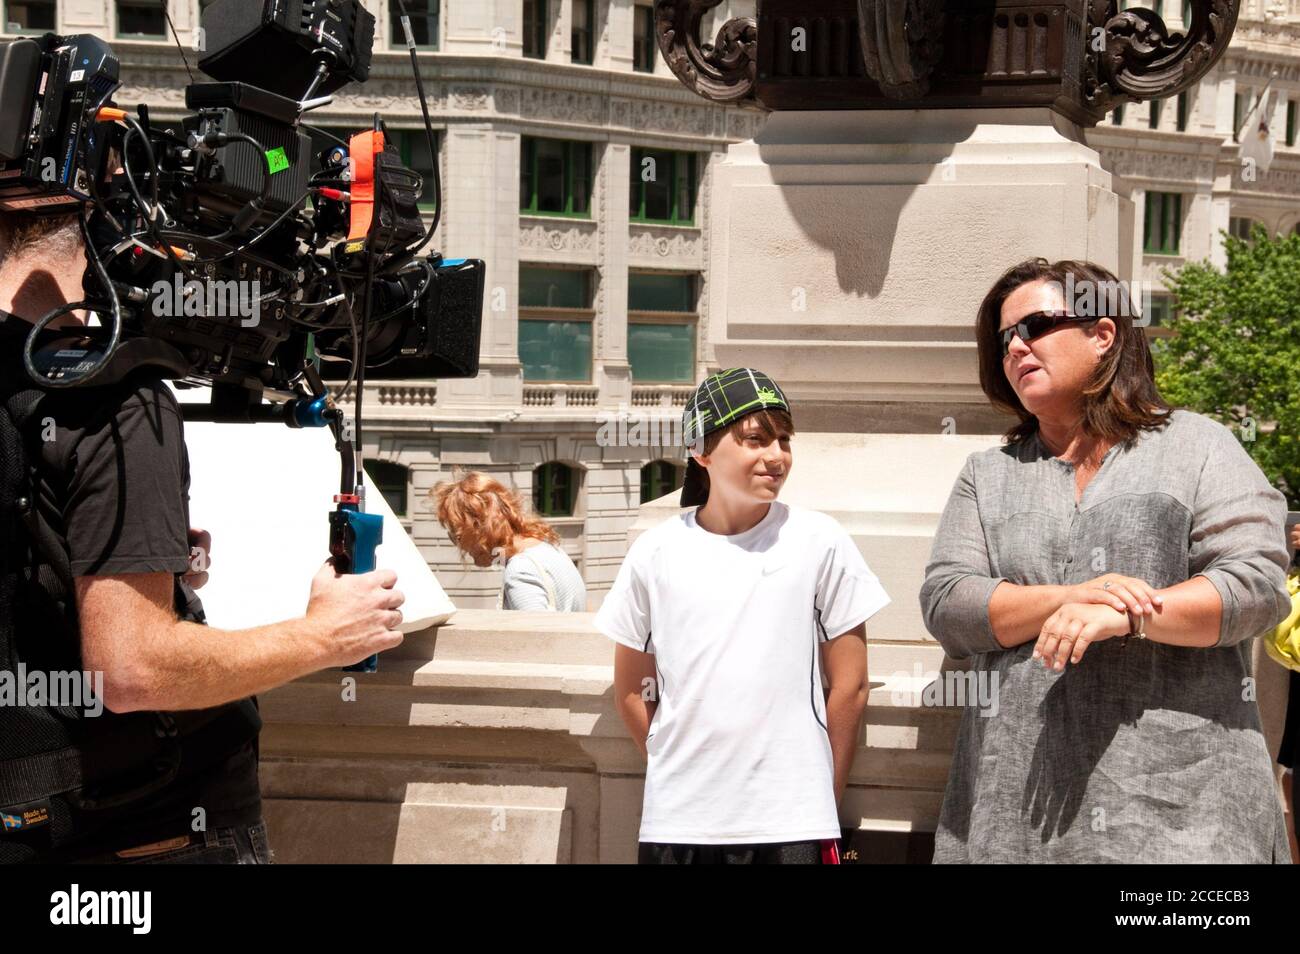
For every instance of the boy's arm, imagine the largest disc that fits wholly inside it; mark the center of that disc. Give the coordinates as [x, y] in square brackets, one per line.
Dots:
[635, 691]
[844, 661]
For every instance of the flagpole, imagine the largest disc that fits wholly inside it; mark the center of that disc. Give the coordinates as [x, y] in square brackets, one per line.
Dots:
[1251, 112]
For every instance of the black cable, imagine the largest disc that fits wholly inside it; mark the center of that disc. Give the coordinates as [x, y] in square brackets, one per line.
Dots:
[179, 48]
[428, 131]
[251, 242]
[150, 212]
[324, 132]
[352, 323]
[115, 334]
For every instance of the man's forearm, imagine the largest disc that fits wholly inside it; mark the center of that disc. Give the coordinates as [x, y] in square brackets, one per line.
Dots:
[190, 666]
[1017, 613]
[844, 710]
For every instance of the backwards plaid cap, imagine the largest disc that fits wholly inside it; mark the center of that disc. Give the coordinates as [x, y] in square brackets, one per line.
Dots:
[719, 401]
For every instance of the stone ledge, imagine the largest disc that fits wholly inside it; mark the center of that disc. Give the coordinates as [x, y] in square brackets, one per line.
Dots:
[511, 715]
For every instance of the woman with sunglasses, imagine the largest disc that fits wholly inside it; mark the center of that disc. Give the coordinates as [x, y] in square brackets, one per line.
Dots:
[1105, 570]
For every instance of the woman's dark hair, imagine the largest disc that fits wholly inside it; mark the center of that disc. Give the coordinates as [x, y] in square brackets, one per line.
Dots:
[1120, 398]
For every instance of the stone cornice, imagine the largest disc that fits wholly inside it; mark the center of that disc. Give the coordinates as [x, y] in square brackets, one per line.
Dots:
[483, 89]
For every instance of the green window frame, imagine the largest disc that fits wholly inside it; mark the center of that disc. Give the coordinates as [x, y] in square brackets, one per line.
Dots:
[1163, 225]
[643, 39]
[392, 480]
[556, 324]
[1240, 226]
[425, 24]
[1153, 113]
[662, 318]
[1180, 119]
[555, 489]
[660, 477]
[1162, 311]
[413, 146]
[1290, 122]
[31, 16]
[537, 168]
[649, 202]
[582, 32]
[143, 14]
[536, 29]
[1240, 103]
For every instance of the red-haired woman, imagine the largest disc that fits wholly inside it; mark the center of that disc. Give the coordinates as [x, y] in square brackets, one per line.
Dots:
[489, 524]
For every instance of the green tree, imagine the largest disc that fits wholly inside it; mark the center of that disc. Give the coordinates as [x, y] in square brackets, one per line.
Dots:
[1235, 351]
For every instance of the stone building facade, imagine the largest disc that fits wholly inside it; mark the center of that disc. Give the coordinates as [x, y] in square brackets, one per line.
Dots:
[548, 114]
[1178, 159]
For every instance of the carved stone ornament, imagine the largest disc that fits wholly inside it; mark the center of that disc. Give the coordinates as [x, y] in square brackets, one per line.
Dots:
[723, 71]
[901, 43]
[1140, 59]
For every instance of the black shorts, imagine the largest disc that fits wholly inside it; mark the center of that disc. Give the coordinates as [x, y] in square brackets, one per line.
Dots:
[775, 853]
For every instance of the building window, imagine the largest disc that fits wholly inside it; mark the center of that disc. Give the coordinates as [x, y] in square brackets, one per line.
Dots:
[1164, 223]
[661, 323]
[659, 477]
[1240, 107]
[1239, 227]
[555, 177]
[663, 186]
[555, 489]
[1181, 118]
[141, 18]
[413, 145]
[555, 317]
[1290, 122]
[391, 481]
[535, 29]
[29, 16]
[1153, 114]
[1117, 115]
[643, 39]
[583, 32]
[424, 16]
[1162, 310]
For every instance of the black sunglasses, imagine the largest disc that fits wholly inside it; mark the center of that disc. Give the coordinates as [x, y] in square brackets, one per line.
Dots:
[1039, 323]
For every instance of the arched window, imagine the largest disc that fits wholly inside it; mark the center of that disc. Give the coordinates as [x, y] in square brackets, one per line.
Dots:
[555, 489]
[391, 480]
[659, 477]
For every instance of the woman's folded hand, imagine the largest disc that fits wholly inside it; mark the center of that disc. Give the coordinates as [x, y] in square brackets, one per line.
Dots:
[1074, 627]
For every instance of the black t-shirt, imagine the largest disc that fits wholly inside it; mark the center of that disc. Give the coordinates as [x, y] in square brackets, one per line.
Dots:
[115, 486]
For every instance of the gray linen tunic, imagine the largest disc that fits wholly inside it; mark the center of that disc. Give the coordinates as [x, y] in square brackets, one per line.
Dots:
[1143, 752]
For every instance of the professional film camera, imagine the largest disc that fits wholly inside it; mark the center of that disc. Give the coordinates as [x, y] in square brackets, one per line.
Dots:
[224, 248]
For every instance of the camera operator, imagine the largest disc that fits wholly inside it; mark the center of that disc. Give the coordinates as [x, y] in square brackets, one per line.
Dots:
[167, 772]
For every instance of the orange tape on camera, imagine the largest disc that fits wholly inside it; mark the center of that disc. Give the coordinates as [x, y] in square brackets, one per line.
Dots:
[363, 147]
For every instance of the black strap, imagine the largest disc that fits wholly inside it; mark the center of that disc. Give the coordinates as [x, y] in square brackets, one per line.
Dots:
[21, 407]
[38, 776]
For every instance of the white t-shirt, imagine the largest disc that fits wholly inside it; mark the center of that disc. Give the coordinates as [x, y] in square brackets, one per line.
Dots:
[738, 749]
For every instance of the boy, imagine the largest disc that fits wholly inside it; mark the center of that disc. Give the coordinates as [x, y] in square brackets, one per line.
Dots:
[726, 617]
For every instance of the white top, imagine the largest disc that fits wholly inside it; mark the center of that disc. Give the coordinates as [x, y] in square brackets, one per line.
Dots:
[543, 577]
[738, 749]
